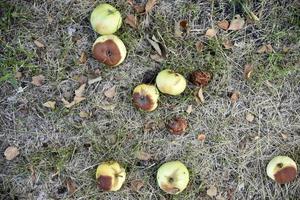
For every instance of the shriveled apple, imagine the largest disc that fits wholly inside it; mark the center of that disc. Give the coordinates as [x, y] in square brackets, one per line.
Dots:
[110, 50]
[106, 19]
[170, 82]
[110, 176]
[282, 169]
[145, 97]
[173, 177]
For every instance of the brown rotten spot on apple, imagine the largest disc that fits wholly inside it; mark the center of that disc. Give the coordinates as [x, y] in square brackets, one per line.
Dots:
[286, 174]
[105, 183]
[107, 52]
[200, 78]
[142, 101]
[145, 97]
[170, 189]
[177, 125]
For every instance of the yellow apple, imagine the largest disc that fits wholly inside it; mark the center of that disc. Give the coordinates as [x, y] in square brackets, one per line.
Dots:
[145, 97]
[110, 176]
[282, 169]
[106, 19]
[110, 50]
[170, 82]
[173, 177]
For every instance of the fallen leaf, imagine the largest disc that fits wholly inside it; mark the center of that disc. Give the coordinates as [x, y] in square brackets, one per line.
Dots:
[199, 46]
[158, 47]
[210, 33]
[138, 7]
[18, 75]
[71, 185]
[200, 95]
[132, 21]
[149, 5]
[33, 174]
[141, 155]
[189, 109]
[227, 44]
[234, 97]
[111, 92]
[83, 58]
[265, 49]
[38, 80]
[182, 28]
[38, 44]
[248, 71]
[212, 191]
[219, 197]
[95, 80]
[67, 104]
[157, 58]
[78, 99]
[50, 104]
[223, 24]
[108, 107]
[201, 137]
[249, 117]
[136, 185]
[79, 92]
[11, 153]
[237, 23]
[284, 136]
[253, 16]
[84, 114]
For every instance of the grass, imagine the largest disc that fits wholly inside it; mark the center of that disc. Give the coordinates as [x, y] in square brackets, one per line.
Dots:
[59, 144]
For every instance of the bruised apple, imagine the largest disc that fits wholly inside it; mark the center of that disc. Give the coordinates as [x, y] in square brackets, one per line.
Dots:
[173, 177]
[170, 82]
[109, 49]
[145, 97]
[110, 176]
[106, 19]
[282, 169]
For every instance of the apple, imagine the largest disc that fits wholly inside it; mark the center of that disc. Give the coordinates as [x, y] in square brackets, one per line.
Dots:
[282, 169]
[145, 97]
[173, 177]
[110, 176]
[106, 19]
[177, 125]
[170, 82]
[110, 50]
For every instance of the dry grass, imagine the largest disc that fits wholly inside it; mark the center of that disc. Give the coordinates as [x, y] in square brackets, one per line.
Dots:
[60, 144]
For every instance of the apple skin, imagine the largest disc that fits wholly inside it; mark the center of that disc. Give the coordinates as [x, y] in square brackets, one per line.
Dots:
[173, 177]
[110, 176]
[282, 169]
[106, 19]
[110, 50]
[170, 82]
[145, 97]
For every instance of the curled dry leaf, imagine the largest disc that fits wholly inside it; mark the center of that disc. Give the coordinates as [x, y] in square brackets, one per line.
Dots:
[33, 174]
[237, 23]
[77, 99]
[83, 58]
[49, 104]
[189, 109]
[200, 78]
[38, 44]
[223, 24]
[141, 155]
[199, 46]
[136, 185]
[157, 58]
[200, 96]
[201, 137]
[79, 92]
[267, 48]
[177, 125]
[284, 136]
[159, 48]
[254, 16]
[132, 21]
[71, 186]
[182, 28]
[11, 153]
[149, 5]
[227, 44]
[18, 75]
[38, 80]
[249, 117]
[234, 96]
[210, 33]
[212, 191]
[111, 92]
[248, 71]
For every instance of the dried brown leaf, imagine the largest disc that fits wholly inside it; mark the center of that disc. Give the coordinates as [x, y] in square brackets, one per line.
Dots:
[199, 46]
[157, 58]
[71, 186]
[79, 92]
[284, 136]
[78, 99]
[83, 58]
[149, 5]
[223, 24]
[50, 104]
[11, 153]
[111, 92]
[136, 185]
[158, 47]
[38, 80]
[210, 33]
[234, 97]
[18, 75]
[189, 109]
[38, 44]
[201, 137]
[200, 95]
[67, 104]
[227, 44]
[237, 23]
[212, 191]
[141, 155]
[33, 174]
[182, 28]
[132, 21]
[265, 49]
[248, 71]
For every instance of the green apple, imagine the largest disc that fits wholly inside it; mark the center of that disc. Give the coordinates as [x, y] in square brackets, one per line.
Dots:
[282, 169]
[110, 176]
[145, 97]
[109, 49]
[173, 177]
[106, 19]
[170, 82]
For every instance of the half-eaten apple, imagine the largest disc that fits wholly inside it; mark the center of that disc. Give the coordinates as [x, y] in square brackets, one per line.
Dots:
[282, 169]
[145, 97]
[110, 176]
[170, 82]
[106, 19]
[173, 177]
[110, 50]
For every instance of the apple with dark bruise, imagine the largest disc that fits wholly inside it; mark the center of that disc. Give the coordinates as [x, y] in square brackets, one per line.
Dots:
[145, 97]
[282, 169]
[110, 176]
[177, 125]
[110, 50]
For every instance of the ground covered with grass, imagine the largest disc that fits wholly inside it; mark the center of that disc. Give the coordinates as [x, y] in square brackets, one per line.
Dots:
[60, 148]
